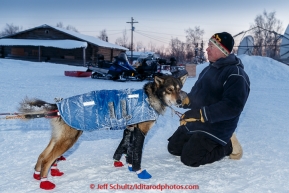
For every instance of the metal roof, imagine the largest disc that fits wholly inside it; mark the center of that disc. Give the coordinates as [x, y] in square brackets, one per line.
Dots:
[93, 40]
[64, 44]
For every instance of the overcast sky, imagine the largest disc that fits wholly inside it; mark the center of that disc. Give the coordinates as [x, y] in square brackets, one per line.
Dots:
[158, 20]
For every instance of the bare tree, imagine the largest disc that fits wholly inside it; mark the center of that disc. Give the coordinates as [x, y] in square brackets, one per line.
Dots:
[103, 35]
[71, 28]
[10, 29]
[177, 49]
[163, 52]
[189, 53]
[119, 41]
[193, 38]
[266, 30]
[152, 47]
[60, 25]
[194, 35]
[139, 46]
[68, 27]
[123, 41]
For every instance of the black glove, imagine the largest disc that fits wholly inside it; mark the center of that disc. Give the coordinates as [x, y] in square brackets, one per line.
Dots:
[185, 103]
[193, 113]
[191, 116]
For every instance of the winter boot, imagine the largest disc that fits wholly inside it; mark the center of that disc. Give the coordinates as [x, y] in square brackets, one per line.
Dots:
[237, 152]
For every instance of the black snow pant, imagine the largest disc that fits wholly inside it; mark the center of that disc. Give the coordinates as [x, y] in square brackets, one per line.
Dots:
[196, 148]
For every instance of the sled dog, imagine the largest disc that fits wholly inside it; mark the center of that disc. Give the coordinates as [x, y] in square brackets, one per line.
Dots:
[164, 91]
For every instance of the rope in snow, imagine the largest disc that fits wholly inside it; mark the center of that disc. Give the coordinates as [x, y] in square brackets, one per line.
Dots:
[51, 114]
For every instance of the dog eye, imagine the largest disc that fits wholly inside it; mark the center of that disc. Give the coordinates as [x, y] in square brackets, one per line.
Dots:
[170, 89]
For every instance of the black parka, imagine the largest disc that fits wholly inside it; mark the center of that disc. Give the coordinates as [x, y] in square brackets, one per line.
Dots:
[221, 92]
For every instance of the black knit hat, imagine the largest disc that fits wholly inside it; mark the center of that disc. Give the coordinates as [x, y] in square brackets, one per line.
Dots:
[224, 41]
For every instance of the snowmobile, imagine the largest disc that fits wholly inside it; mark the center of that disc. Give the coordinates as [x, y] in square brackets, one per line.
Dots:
[172, 66]
[151, 65]
[119, 70]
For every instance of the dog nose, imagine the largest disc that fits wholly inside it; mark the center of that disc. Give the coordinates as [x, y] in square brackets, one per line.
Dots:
[179, 101]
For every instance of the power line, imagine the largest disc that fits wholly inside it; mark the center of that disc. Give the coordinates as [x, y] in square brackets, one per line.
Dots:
[161, 33]
[115, 33]
[151, 37]
[97, 30]
[157, 37]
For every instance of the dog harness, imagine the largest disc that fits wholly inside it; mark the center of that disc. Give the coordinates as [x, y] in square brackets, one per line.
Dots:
[106, 109]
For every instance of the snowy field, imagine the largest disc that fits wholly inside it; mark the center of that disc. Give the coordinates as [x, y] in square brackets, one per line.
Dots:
[263, 132]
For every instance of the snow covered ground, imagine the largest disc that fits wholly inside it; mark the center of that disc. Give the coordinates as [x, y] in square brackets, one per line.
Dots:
[262, 131]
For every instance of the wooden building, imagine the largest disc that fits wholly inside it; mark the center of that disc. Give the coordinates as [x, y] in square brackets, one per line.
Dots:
[57, 45]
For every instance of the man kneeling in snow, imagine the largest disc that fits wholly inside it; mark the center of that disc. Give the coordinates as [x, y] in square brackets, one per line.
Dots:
[216, 101]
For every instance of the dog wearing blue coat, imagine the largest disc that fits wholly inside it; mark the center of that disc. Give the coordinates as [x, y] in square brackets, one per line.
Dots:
[134, 111]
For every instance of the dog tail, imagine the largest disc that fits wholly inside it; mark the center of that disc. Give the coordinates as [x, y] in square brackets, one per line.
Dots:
[35, 106]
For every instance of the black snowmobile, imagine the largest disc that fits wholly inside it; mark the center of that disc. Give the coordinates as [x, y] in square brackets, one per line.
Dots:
[119, 70]
[151, 65]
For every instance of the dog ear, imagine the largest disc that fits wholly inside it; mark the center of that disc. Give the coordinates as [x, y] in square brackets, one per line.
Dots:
[158, 81]
[183, 79]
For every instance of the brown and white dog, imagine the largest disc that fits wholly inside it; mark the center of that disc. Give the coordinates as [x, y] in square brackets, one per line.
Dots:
[162, 92]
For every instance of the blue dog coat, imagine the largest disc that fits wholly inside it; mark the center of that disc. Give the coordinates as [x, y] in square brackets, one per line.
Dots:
[113, 109]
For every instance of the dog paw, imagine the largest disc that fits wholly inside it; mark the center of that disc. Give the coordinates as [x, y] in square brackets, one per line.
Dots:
[46, 185]
[118, 164]
[56, 172]
[144, 175]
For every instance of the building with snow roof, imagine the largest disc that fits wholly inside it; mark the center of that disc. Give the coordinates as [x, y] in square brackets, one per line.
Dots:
[58, 45]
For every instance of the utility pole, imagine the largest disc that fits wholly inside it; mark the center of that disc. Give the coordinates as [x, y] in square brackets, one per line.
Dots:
[132, 29]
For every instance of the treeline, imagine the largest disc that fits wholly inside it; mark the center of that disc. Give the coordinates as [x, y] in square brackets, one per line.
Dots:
[266, 32]
[185, 52]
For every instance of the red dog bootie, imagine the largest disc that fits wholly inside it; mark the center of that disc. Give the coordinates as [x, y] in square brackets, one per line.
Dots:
[36, 175]
[117, 163]
[46, 185]
[61, 158]
[55, 171]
